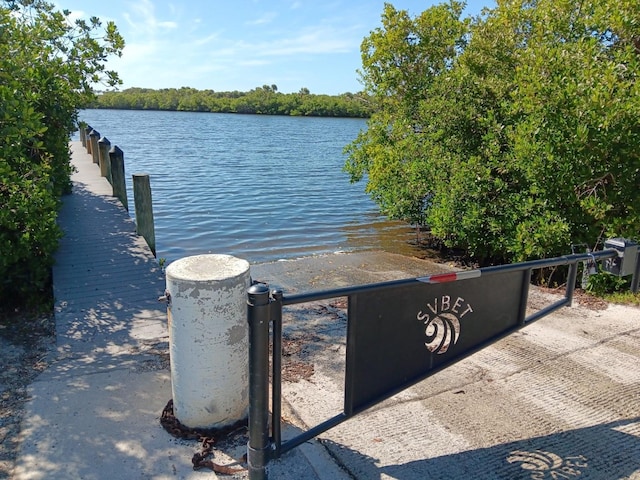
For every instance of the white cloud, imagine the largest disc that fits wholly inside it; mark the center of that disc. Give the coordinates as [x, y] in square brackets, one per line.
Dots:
[253, 63]
[268, 17]
[319, 40]
[213, 48]
[142, 18]
[205, 40]
[136, 52]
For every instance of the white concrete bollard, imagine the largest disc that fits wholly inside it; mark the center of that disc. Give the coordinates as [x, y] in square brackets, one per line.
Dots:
[208, 339]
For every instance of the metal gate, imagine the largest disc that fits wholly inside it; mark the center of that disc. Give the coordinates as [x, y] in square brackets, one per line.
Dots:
[426, 324]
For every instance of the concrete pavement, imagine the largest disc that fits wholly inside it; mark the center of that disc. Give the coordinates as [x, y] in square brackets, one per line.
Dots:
[94, 413]
[560, 399]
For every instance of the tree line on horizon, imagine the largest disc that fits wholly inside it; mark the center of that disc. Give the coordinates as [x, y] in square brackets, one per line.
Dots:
[265, 100]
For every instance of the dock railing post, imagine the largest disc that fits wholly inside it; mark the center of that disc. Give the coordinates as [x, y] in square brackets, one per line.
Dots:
[116, 155]
[144, 209]
[104, 145]
[258, 448]
[82, 128]
[94, 136]
[88, 131]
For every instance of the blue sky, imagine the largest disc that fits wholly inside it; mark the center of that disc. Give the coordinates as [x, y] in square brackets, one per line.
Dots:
[243, 44]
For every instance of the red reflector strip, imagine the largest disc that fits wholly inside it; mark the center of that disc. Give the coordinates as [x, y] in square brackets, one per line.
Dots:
[450, 277]
[443, 277]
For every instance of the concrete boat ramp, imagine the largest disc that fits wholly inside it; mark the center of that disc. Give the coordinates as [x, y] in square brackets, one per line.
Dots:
[557, 400]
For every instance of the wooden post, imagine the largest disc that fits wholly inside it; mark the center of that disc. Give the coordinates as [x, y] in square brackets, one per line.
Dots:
[104, 145]
[87, 132]
[82, 126]
[117, 176]
[95, 152]
[144, 209]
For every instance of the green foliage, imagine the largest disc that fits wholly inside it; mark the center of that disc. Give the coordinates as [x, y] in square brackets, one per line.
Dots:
[47, 66]
[262, 100]
[512, 134]
[601, 284]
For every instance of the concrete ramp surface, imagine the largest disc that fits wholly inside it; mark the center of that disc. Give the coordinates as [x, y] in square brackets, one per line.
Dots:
[558, 400]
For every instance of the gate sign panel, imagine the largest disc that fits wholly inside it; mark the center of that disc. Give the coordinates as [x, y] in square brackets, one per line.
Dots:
[399, 335]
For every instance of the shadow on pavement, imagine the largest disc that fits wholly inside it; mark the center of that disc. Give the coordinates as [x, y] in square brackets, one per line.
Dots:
[601, 452]
[106, 282]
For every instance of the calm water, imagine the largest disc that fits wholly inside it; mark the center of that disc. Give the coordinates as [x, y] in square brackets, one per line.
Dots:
[262, 188]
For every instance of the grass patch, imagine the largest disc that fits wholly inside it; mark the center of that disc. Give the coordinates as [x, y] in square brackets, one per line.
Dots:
[623, 298]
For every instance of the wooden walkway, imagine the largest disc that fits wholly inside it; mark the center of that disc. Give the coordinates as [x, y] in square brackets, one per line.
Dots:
[94, 412]
[106, 280]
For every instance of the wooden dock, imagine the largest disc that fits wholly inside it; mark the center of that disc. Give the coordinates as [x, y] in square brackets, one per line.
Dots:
[106, 280]
[94, 412]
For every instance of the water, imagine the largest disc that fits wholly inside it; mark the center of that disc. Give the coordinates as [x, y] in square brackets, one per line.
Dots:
[259, 187]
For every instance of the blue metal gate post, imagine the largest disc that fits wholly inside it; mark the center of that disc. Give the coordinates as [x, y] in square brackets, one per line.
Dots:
[258, 448]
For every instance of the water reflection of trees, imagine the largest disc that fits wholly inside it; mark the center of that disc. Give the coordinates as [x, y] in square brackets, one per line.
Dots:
[374, 233]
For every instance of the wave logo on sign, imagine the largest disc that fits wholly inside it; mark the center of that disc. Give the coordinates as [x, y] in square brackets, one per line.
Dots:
[441, 321]
[547, 465]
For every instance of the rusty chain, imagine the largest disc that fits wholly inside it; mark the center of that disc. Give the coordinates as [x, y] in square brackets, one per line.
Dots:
[207, 438]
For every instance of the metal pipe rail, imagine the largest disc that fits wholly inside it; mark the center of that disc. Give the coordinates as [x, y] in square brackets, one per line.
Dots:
[475, 308]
